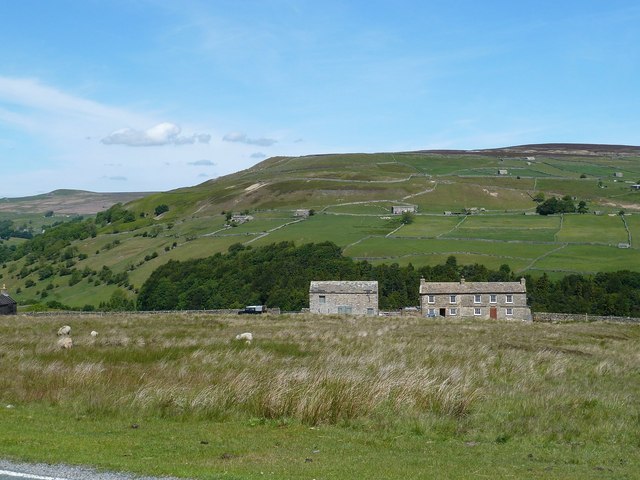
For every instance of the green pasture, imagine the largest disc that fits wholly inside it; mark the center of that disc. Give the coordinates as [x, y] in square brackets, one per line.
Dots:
[633, 222]
[585, 189]
[592, 229]
[430, 226]
[368, 208]
[450, 197]
[530, 228]
[391, 248]
[589, 259]
[497, 181]
[341, 229]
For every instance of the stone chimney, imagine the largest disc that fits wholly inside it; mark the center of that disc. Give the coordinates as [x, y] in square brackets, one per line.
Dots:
[523, 282]
[3, 291]
[462, 280]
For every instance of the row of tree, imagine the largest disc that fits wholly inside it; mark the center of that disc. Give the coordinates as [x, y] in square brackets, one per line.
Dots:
[279, 275]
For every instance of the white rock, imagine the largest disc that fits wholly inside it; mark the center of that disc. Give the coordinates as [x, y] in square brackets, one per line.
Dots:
[94, 333]
[65, 330]
[247, 337]
[65, 342]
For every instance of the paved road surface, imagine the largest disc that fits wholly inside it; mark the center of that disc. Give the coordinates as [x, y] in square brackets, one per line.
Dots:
[26, 471]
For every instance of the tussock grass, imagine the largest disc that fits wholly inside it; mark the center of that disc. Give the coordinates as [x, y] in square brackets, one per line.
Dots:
[483, 381]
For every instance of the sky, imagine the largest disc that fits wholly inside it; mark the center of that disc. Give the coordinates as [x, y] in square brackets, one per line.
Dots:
[152, 95]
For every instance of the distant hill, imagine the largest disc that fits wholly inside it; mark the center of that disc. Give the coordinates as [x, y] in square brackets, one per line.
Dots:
[68, 202]
[475, 205]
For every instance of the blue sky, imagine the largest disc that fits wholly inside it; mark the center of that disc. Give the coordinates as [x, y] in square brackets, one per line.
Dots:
[142, 95]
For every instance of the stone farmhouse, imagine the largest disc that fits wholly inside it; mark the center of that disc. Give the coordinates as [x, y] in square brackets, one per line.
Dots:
[8, 305]
[486, 300]
[342, 297]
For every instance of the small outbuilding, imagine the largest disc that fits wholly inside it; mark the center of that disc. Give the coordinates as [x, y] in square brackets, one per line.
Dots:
[8, 306]
[344, 297]
[400, 209]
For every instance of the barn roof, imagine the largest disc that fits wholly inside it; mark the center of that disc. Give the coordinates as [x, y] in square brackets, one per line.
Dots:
[343, 287]
[462, 287]
[6, 300]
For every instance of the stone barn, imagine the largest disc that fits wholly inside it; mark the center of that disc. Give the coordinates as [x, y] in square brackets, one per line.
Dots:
[344, 297]
[486, 300]
[8, 305]
[400, 209]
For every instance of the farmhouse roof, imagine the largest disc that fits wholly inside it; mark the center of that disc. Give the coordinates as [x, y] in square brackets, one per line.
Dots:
[5, 299]
[343, 287]
[462, 287]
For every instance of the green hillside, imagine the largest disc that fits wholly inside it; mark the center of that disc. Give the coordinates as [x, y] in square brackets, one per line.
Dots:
[487, 196]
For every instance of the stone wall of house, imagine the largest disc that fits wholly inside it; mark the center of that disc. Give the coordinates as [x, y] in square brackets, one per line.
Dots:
[360, 303]
[465, 306]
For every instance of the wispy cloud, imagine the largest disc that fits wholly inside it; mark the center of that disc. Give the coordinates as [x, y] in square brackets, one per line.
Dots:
[162, 134]
[258, 155]
[204, 163]
[117, 178]
[238, 137]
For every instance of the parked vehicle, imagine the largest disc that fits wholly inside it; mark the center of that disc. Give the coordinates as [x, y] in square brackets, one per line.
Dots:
[253, 310]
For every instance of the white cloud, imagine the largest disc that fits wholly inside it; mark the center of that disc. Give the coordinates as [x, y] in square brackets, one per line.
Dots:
[258, 155]
[238, 137]
[206, 163]
[162, 134]
[117, 178]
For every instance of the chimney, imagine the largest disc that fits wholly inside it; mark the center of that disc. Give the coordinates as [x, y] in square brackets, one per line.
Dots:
[461, 280]
[523, 282]
[4, 290]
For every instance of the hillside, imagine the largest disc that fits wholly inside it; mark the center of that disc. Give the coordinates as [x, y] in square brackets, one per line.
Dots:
[351, 195]
[67, 202]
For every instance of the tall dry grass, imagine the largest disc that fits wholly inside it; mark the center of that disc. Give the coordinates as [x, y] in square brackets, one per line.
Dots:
[557, 382]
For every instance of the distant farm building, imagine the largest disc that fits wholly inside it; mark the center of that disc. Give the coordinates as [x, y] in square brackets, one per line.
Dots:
[483, 300]
[400, 209]
[624, 245]
[302, 213]
[8, 306]
[344, 297]
[635, 186]
[618, 174]
[240, 219]
[503, 171]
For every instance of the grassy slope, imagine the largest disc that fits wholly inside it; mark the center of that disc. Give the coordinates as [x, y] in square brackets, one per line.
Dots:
[366, 398]
[356, 191]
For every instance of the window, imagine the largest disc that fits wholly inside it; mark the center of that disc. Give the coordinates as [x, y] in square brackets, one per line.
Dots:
[477, 311]
[344, 309]
[453, 311]
[370, 311]
[477, 298]
[322, 299]
[431, 312]
[493, 298]
[509, 298]
[509, 311]
[452, 298]
[431, 299]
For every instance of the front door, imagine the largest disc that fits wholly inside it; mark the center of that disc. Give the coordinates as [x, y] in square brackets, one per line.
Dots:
[443, 312]
[493, 313]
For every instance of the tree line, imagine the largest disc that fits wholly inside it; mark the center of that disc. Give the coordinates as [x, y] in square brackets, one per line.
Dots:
[279, 275]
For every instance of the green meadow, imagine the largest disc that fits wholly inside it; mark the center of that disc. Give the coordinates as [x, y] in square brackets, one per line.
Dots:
[322, 397]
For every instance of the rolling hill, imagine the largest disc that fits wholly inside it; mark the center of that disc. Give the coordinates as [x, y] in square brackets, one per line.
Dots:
[487, 196]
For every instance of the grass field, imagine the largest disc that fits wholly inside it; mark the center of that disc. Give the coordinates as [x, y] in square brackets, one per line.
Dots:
[323, 397]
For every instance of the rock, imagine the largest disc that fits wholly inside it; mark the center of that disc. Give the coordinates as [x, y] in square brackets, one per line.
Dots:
[94, 333]
[65, 343]
[247, 337]
[65, 330]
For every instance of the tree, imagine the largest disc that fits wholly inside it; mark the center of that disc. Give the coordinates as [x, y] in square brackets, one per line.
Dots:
[160, 209]
[582, 207]
[407, 218]
[538, 197]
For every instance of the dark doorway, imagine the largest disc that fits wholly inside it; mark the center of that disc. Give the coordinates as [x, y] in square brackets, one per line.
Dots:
[443, 312]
